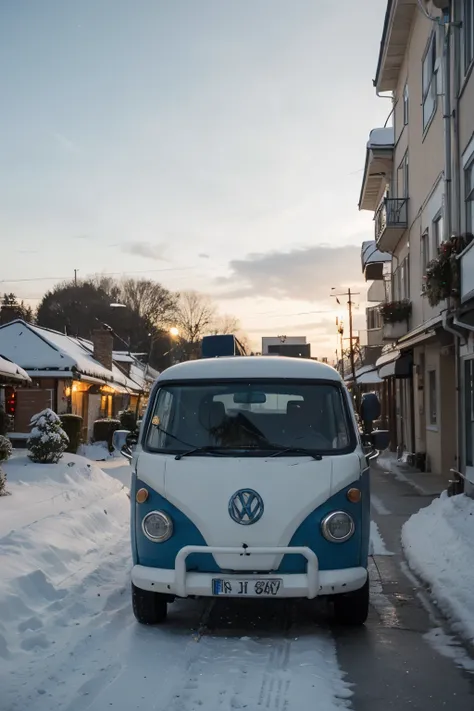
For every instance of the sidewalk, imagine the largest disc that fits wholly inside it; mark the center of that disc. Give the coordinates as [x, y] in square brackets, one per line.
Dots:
[425, 483]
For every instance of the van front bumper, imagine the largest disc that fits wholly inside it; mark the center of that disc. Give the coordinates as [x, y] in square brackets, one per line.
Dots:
[181, 583]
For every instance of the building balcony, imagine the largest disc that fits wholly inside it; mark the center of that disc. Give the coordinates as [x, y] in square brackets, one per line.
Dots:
[378, 167]
[466, 268]
[394, 331]
[376, 292]
[375, 337]
[391, 221]
[395, 316]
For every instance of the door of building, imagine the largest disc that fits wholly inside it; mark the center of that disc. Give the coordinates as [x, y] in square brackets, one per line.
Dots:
[469, 418]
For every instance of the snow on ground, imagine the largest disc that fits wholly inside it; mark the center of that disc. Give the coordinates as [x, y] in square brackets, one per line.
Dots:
[68, 638]
[113, 463]
[438, 545]
[377, 544]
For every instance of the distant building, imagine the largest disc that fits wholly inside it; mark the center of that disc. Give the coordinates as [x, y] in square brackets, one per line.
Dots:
[290, 346]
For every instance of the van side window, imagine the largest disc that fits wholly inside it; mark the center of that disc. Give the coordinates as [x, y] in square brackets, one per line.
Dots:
[161, 419]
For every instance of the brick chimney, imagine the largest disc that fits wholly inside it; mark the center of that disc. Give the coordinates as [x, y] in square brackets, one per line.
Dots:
[103, 341]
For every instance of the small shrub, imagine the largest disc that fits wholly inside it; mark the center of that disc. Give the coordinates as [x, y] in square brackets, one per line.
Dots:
[6, 422]
[395, 311]
[5, 449]
[128, 420]
[47, 440]
[104, 431]
[72, 425]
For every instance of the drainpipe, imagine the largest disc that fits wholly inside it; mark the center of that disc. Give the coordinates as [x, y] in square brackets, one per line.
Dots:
[447, 129]
[456, 154]
[459, 338]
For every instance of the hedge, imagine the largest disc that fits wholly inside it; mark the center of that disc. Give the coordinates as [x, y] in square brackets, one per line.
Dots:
[72, 425]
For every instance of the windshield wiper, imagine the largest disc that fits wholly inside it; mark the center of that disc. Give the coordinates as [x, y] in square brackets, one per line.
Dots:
[209, 449]
[295, 450]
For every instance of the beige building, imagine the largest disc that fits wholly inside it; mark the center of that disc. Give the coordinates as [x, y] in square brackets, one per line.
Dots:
[419, 183]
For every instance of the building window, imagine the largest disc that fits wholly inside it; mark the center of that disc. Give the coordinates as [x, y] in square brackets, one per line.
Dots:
[469, 191]
[425, 252]
[432, 398]
[405, 104]
[374, 318]
[429, 82]
[437, 233]
[402, 178]
[468, 33]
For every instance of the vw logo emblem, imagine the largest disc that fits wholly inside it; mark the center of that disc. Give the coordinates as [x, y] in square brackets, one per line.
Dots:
[246, 507]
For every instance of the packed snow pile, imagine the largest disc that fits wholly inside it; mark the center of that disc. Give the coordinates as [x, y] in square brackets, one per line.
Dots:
[438, 544]
[59, 523]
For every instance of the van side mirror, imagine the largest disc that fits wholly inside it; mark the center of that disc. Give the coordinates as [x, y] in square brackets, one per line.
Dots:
[123, 441]
[126, 452]
[131, 440]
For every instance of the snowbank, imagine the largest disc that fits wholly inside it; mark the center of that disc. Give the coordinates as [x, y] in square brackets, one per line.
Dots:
[58, 524]
[438, 543]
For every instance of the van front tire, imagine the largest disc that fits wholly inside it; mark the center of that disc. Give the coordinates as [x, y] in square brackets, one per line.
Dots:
[352, 609]
[149, 608]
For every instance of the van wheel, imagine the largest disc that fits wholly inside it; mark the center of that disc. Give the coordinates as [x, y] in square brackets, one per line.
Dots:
[352, 608]
[149, 608]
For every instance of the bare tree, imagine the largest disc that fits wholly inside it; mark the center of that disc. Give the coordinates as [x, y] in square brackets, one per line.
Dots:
[225, 324]
[244, 340]
[150, 300]
[144, 297]
[195, 316]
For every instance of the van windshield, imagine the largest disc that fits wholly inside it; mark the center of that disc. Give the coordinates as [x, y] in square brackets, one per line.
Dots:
[250, 417]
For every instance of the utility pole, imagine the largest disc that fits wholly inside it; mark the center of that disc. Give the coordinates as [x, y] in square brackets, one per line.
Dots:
[349, 295]
[351, 336]
[75, 276]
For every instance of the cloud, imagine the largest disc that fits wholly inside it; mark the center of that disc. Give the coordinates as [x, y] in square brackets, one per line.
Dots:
[304, 274]
[204, 256]
[145, 249]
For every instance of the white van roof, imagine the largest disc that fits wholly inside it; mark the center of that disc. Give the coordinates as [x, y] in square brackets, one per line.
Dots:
[251, 367]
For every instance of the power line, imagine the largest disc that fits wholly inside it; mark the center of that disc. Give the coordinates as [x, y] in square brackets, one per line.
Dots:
[59, 278]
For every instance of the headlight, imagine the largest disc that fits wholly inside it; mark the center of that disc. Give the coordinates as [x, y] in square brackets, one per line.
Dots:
[157, 526]
[338, 527]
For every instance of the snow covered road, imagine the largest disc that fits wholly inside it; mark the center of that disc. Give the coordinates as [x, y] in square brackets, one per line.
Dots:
[69, 641]
[91, 654]
[68, 638]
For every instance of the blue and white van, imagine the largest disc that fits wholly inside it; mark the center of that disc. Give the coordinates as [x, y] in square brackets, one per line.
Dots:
[250, 479]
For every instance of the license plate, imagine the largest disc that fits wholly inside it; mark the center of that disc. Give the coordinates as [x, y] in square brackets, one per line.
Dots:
[250, 588]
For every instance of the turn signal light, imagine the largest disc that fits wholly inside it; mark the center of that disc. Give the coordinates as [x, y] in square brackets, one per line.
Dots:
[141, 496]
[354, 495]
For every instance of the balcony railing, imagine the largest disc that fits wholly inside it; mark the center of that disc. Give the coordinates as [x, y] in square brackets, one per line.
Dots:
[391, 215]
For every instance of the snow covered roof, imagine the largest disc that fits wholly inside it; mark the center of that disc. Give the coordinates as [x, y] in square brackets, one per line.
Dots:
[11, 372]
[41, 349]
[141, 374]
[264, 367]
[381, 137]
